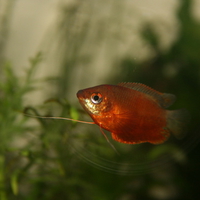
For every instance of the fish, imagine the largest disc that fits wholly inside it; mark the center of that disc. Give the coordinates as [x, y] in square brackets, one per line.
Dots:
[134, 113]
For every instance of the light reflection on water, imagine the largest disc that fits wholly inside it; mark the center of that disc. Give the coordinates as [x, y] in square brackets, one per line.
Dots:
[134, 159]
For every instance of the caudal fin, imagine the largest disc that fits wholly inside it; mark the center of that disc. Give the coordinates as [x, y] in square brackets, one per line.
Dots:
[177, 122]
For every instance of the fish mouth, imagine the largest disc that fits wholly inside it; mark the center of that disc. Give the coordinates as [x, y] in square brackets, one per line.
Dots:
[80, 95]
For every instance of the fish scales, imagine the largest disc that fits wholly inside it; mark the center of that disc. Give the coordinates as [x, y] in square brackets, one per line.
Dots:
[132, 112]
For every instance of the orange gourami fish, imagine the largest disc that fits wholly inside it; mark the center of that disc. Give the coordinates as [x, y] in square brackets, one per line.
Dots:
[133, 112]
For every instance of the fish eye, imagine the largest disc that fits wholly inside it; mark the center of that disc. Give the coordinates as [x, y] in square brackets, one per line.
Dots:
[96, 98]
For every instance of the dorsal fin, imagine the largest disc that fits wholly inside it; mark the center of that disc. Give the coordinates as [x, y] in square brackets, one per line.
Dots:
[163, 99]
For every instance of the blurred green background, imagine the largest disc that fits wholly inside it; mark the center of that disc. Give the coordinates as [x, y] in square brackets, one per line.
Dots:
[95, 42]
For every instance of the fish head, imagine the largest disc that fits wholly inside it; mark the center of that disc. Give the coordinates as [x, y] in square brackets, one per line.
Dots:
[96, 100]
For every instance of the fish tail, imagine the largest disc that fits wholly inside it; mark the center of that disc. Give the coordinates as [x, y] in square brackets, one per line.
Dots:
[177, 121]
